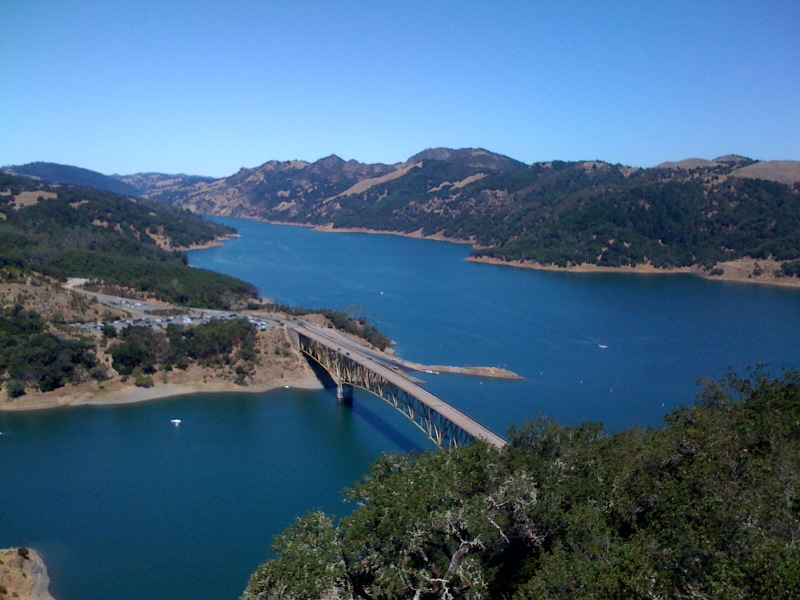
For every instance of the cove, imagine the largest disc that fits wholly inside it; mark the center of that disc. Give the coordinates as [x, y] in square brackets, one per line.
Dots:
[125, 505]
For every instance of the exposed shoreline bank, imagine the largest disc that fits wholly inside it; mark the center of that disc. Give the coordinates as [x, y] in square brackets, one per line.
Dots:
[130, 394]
[738, 271]
[416, 235]
[216, 242]
[330, 228]
[488, 372]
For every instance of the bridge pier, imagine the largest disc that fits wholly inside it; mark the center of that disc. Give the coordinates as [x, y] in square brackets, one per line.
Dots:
[344, 393]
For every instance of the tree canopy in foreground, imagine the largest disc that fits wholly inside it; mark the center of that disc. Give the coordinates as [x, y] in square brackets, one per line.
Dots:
[706, 507]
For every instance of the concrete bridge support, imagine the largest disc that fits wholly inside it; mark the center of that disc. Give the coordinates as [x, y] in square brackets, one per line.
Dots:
[344, 393]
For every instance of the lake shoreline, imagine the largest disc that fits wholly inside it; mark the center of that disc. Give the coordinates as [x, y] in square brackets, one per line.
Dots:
[70, 396]
[737, 271]
[215, 243]
[330, 228]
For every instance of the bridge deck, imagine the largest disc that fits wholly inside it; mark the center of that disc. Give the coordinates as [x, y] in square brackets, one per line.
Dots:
[455, 416]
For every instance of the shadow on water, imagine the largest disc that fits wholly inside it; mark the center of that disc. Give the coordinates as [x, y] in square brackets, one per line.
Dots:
[361, 410]
[394, 435]
[397, 437]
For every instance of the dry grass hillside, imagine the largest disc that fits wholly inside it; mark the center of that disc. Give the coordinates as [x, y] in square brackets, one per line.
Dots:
[53, 301]
[782, 171]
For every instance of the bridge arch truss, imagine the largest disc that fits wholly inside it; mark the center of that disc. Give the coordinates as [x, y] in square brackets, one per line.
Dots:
[346, 371]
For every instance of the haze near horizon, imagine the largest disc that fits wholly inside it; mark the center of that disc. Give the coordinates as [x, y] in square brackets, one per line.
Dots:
[206, 88]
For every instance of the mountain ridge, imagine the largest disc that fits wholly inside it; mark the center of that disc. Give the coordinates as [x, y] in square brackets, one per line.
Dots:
[695, 213]
[154, 183]
[69, 175]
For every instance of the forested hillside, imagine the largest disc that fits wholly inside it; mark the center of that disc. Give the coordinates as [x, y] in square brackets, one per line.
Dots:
[68, 231]
[690, 213]
[68, 175]
[695, 213]
[706, 507]
[665, 224]
[33, 356]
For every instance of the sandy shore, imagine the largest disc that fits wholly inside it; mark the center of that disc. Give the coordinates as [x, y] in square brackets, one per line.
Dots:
[740, 271]
[132, 394]
[489, 372]
[89, 394]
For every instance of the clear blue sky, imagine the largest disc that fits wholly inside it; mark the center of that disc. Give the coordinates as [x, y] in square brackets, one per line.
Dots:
[209, 87]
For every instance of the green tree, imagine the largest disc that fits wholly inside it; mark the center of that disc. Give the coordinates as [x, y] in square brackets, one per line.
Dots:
[310, 564]
[15, 388]
[707, 506]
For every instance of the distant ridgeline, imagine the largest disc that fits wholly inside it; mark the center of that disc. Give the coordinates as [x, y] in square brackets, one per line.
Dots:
[690, 213]
[694, 212]
[70, 231]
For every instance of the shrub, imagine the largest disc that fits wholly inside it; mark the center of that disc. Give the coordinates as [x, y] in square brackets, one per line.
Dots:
[15, 388]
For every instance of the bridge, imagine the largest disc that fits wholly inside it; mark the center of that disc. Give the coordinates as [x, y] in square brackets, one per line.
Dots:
[350, 366]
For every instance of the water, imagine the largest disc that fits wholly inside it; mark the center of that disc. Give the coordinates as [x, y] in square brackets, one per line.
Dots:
[126, 506]
[123, 504]
[662, 332]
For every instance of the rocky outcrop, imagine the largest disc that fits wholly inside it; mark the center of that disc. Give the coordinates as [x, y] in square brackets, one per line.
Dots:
[23, 575]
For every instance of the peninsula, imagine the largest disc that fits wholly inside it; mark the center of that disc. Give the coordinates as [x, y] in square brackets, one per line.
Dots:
[251, 349]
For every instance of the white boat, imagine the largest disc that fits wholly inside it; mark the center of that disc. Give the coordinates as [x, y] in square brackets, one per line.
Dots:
[175, 422]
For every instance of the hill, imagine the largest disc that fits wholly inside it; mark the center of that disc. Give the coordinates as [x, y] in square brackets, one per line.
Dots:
[782, 171]
[160, 186]
[731, 216]
[287, 190]
[699, 214]
[70, 231]
[68, 175]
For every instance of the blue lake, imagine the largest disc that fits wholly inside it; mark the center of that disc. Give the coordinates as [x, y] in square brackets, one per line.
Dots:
[662, 332]
[124, 505]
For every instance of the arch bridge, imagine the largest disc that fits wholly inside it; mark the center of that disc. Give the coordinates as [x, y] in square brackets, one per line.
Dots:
[351, 367]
